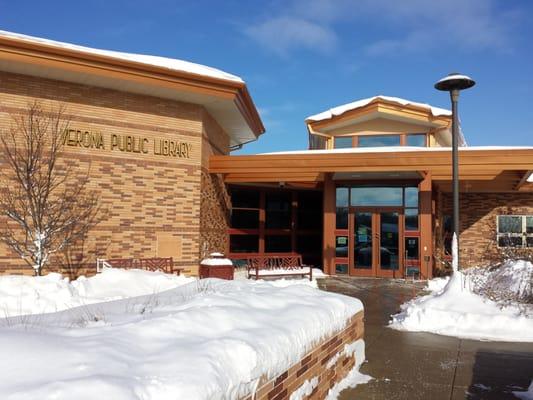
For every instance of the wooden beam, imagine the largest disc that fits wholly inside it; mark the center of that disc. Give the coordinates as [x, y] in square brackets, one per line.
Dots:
[523, 181]
[426, 228]
[328, 251]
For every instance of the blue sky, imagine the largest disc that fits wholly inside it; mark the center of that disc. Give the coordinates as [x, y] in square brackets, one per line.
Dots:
[300, 57]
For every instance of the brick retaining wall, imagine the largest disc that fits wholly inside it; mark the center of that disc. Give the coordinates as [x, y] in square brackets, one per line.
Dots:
[315, 365]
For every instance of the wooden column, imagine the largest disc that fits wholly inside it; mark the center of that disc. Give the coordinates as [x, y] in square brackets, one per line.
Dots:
[426, 227]
[328, 251]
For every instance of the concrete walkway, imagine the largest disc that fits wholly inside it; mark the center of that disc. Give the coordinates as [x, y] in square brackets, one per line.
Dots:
[413, 366]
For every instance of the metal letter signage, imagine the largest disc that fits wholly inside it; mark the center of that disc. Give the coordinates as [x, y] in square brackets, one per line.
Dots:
[126, 143]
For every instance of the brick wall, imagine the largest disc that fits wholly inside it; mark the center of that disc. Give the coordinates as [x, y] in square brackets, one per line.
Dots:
[478, 221]
[153, 202]
[326, 362]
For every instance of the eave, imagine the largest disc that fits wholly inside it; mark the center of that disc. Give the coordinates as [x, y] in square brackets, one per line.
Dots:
[38, 56]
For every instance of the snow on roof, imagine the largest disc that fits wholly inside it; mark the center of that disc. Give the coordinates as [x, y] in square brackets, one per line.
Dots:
[335, 111]
[530, 178]
[169, 63]
[394, 149]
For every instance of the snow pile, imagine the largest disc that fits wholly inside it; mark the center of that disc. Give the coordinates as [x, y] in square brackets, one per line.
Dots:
[209, 339]
[527, 395]
[169, 63]
[456, 310]
[21, 295]
[506, 283]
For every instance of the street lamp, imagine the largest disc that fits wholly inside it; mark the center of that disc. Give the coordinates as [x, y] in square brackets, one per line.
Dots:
[454, 83]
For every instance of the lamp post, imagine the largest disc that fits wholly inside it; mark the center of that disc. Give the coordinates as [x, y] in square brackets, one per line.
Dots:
[454, 83]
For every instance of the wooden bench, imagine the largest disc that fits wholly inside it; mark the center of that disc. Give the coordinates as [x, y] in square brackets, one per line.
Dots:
[265, 266]
[164, 264]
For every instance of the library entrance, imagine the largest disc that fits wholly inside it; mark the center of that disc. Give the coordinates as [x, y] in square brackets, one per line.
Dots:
[375, 244]
[376, 241]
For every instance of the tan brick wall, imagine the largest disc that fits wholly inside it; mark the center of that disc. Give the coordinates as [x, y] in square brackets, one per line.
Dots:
[315, 364]
[478, 221]
[153, 201]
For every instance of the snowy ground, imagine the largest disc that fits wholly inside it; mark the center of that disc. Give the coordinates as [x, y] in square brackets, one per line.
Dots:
[461, 306]
[20, 295]
[207, 339]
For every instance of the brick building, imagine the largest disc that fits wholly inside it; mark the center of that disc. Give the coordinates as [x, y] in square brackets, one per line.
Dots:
[147, 127]
[370, 197]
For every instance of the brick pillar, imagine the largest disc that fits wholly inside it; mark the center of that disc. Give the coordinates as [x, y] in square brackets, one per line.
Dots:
[328, 252]
[426, 228]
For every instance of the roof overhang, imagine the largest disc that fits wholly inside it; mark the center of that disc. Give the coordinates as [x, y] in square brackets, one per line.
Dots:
[480, 169]
[228, 101]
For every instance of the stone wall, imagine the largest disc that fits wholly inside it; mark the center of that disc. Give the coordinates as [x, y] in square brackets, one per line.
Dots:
[478, 222]
[215, 201]
[327, 362]
[152, 201]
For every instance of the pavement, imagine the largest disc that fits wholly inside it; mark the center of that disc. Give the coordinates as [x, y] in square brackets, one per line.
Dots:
[413, 365]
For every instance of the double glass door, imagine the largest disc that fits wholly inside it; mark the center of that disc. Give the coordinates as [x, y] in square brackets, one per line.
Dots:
[375, 245]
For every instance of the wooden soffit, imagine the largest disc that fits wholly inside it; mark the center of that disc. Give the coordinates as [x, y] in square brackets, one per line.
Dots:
[475, 165]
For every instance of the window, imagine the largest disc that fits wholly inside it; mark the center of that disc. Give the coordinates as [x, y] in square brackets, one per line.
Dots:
[341, 268]
[379, 140]
[278, 244]
[343, 142]
[245, 211]
[341, 246]
[317, 142]
[416, 140]
[278, 210]
[376, 196]
[341, 200]
[411, 208]
[514, 230]
[244, 243]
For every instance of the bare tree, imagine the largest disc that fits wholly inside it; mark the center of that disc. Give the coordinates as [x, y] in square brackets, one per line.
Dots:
[46, 203]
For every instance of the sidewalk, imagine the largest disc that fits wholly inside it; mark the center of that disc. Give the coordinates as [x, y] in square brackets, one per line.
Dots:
[413, 366]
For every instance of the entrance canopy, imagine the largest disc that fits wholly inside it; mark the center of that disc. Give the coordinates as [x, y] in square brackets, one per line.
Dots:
[482, 169]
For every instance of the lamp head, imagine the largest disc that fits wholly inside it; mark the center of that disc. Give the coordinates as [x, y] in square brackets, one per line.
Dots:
[454, 81]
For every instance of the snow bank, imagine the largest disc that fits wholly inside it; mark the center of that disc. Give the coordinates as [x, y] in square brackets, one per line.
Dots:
[20, 295]
[208, 339]
[170, 63]
[527, 395]
[455, 310]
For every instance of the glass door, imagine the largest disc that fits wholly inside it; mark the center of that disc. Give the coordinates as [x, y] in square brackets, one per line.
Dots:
[388, 263]
[363, 243]
[375, 246]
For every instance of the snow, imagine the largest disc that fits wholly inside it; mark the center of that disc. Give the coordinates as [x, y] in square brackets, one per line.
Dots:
[454, 77]
[456, 309]
[213, 261]
[397, 149]
[333, 112]
[527, 395]
[283, 271]
[203, 340]
[20, 295]
[530, 178]
[169, 63]
[305, 390]
[354, 377]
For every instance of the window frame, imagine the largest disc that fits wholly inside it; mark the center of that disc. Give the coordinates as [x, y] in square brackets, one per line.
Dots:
[524, 235]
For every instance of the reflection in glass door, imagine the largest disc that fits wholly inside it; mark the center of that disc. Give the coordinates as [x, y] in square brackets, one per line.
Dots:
[389, 254]
[363, 240]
